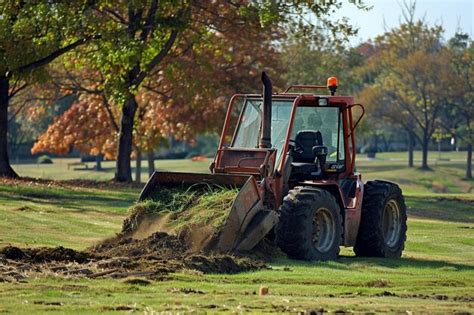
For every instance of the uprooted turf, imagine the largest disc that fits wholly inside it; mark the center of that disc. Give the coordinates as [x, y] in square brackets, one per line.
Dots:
[195, 215]
[154, 258]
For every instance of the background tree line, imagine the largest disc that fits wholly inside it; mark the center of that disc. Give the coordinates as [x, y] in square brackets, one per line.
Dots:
[118, 78]
[120, 52]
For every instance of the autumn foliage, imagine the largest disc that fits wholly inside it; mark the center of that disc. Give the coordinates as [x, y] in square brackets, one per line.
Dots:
[85, 126]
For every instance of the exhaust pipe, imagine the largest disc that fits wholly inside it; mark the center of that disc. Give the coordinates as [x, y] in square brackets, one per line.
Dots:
[265, 136]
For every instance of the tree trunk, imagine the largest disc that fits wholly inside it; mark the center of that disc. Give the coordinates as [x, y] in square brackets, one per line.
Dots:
[469, 161]
[5, 168]
[138, 170]
[424, 159]
[98, 163]
[410, 148]
[151, 162]
[123, 170]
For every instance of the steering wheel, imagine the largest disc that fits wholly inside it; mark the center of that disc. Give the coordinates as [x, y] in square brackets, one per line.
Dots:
[296, 146]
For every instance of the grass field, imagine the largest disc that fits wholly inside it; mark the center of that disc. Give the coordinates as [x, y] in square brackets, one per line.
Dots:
[435, 274]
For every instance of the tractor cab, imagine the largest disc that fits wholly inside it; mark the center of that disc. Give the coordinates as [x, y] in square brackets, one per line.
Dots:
[316, 142]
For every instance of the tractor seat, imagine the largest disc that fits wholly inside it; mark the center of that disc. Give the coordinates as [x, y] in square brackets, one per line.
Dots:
[303, 165]
[307, 139]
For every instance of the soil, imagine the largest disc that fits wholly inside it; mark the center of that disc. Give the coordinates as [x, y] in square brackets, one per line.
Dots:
[153, 258]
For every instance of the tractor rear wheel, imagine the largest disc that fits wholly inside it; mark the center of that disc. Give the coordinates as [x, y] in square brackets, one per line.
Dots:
[383, 226]
[310, 226]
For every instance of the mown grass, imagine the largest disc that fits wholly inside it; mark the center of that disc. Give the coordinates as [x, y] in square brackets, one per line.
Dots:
[59, 169]
[435, 274]
[50, 216]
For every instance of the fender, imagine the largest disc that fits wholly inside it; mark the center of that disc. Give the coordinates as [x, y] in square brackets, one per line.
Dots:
[350, 207]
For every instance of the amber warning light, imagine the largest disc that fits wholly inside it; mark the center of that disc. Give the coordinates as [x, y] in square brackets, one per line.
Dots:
[332, 85]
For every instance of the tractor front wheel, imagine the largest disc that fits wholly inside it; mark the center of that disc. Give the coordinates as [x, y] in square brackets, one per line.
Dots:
[383, 227]
[310, 226]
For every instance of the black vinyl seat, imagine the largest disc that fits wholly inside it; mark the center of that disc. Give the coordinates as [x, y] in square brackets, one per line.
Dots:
[307, 139]
[303, 164]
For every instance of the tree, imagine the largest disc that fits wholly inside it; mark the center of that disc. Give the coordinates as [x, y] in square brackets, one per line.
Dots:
[33, 33]
[311, 60]
[85, 126]
[459, 114]
[411, 67]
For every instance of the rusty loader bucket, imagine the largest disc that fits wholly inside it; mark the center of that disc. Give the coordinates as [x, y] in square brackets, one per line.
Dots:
[248, 221]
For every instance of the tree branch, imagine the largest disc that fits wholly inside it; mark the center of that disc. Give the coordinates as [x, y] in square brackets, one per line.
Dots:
[109, 112]
[157, 59]
[55, 54]
[117, 16]
[16, 89]
[150, 19]
[12, 117]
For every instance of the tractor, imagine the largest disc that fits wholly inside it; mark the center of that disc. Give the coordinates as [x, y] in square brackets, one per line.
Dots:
[293, 157]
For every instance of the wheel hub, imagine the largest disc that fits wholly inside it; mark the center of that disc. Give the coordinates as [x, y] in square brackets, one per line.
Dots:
[324, 230]
[391, 223]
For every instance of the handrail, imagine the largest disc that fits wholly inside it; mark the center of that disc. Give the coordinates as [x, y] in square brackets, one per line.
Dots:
[305, 87]
[353, 127]
[360, 118]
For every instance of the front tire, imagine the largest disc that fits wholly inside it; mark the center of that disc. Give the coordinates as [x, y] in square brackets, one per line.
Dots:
[310, 226]
[383, 227]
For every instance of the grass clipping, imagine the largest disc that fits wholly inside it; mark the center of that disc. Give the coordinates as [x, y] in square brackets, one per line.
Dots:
[194, 215]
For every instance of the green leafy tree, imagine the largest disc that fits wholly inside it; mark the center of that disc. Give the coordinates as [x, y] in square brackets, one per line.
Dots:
[459, 114]
[411, 69]
[33, 34]
[313, 61]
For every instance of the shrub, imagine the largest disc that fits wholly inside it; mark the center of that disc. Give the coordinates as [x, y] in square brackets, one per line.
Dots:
[44, 159]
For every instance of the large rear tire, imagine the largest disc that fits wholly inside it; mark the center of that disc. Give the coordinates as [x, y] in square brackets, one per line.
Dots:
[310, 226]
[383, 227]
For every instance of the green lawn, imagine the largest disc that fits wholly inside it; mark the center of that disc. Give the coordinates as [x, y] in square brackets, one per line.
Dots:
[435, 274]
[59, 169]
[72, 217]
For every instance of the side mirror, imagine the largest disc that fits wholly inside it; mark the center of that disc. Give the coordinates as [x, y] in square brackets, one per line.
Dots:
[320, 153]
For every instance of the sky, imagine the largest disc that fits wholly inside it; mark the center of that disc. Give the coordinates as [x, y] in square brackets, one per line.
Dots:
[385, 14]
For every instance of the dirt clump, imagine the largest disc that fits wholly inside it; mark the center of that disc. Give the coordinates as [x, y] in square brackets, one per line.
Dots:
[170, 253]
[12, 252]
[159, 245]
[44, 254]
[195, 215]
[222, 264]
[154, 257]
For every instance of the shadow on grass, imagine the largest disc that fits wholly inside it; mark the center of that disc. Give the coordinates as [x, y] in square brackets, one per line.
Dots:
[406, 262]
[359, 263]
[368, 168]
[73, 201]
[441, 208]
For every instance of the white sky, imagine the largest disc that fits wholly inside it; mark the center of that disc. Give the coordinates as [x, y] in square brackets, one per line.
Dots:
[451, 14]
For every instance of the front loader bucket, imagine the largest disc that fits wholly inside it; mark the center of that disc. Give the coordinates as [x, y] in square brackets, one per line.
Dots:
[184, 180]
[248, 221]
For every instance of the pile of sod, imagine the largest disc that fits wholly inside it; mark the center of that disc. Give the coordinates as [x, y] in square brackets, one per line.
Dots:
[185, 208]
